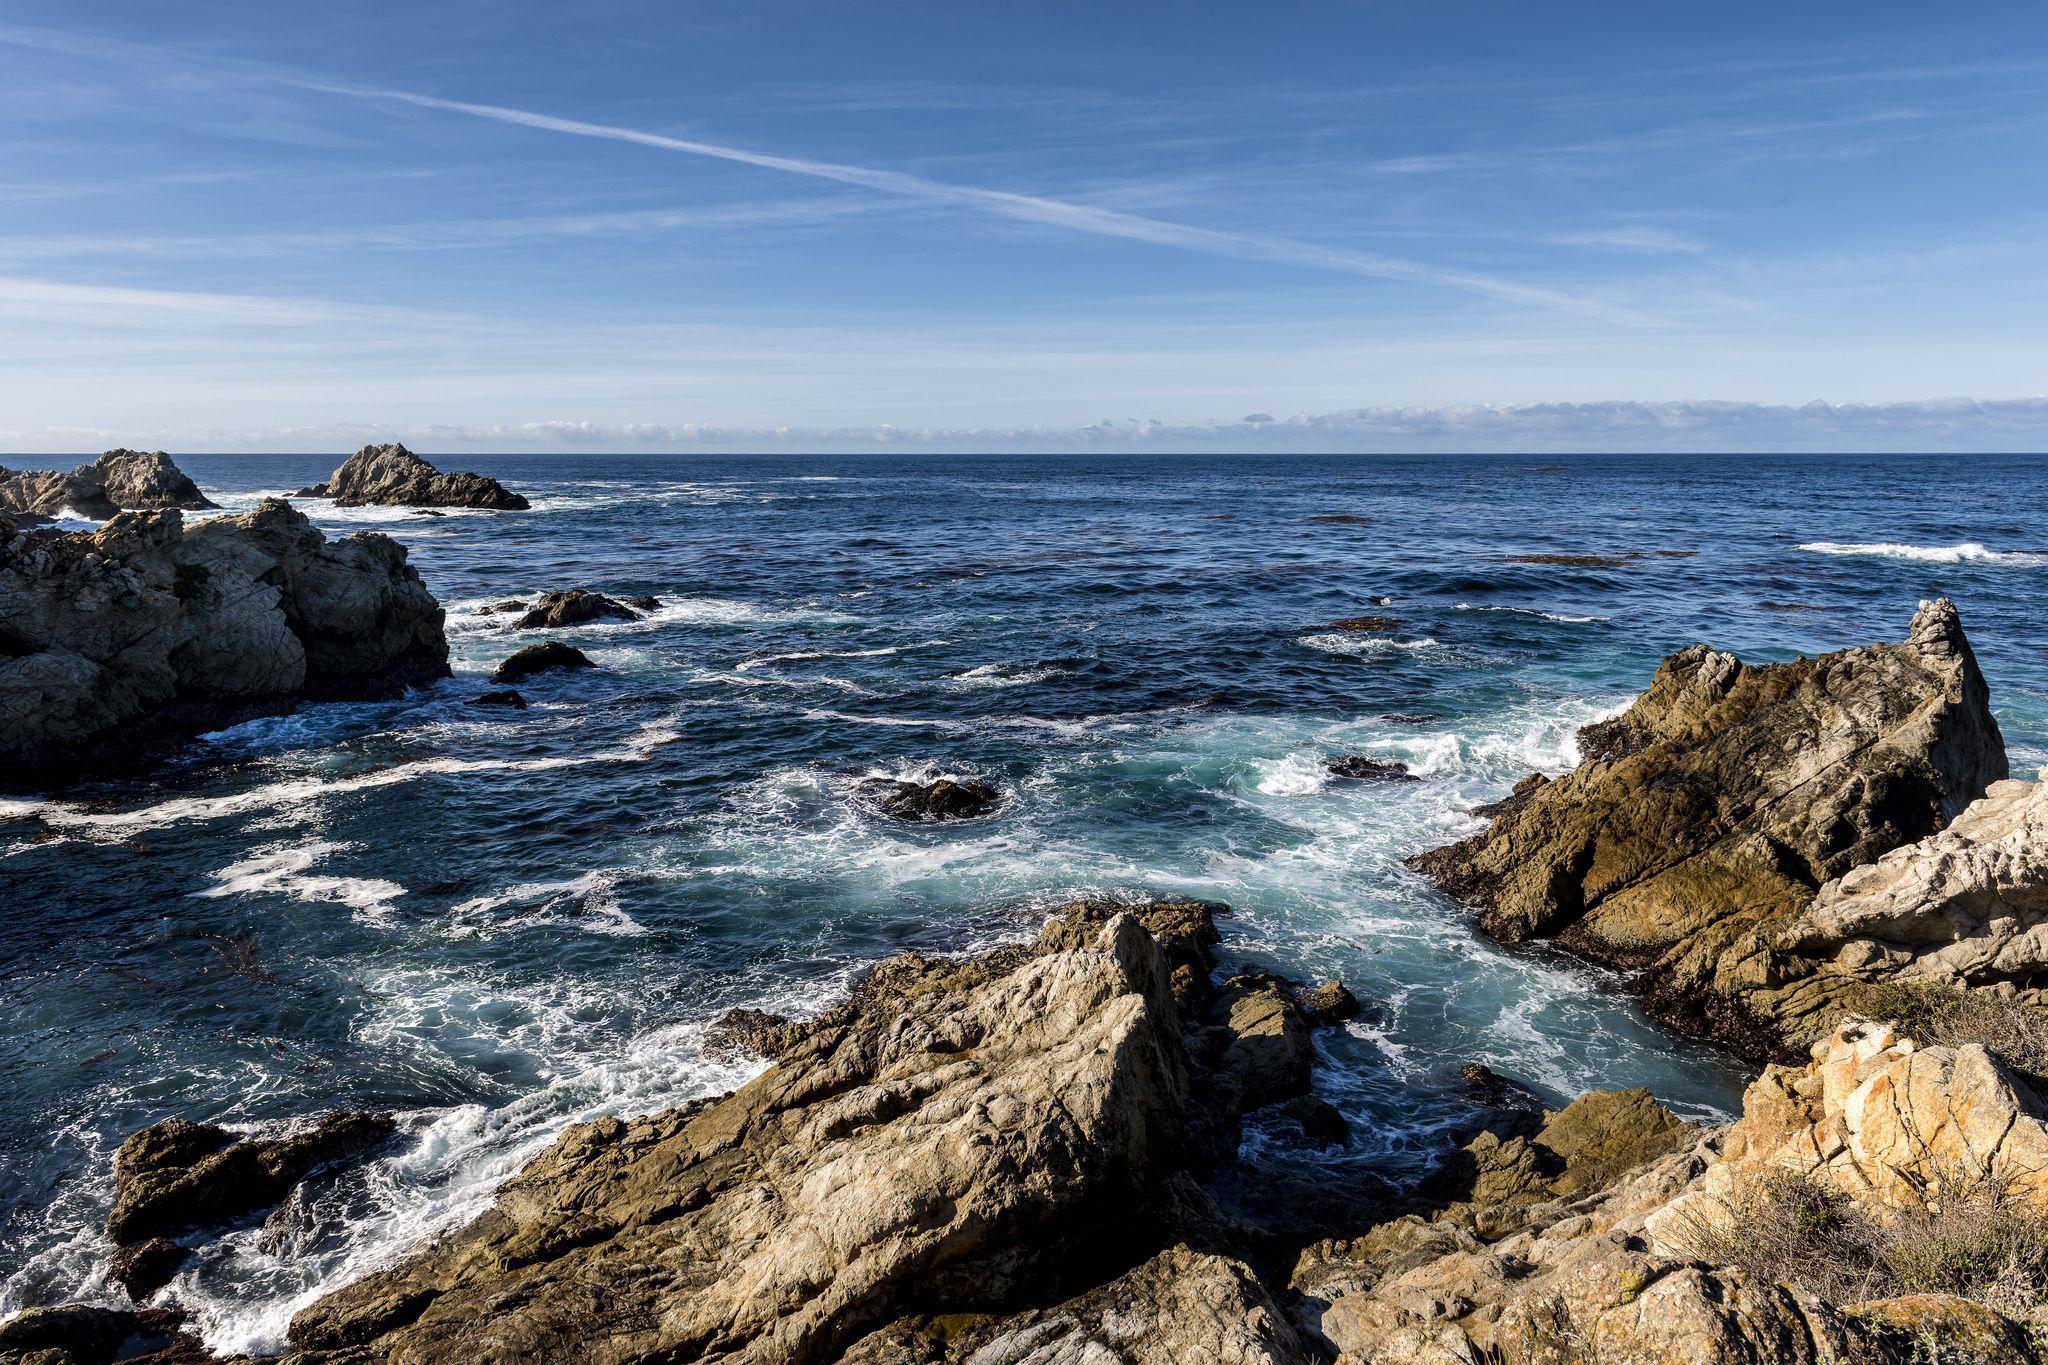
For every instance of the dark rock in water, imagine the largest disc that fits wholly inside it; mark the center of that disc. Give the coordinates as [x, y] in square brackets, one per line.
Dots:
[645, 601]
[1701, 821]
[1319, 1121]
[147, 1266]
[119, 480]
[1490, 1090]
[392, 476]
[84, 1334]
[505, 697]
[944, 799]
[1365, 625]
[174, 1176]
[1359, 768]
[1411, 717]
[116, 642]
[573, 608]
[545, 657]
[1266, 1054]
[1571, 561]
[510, 604]
[1342, 519]
[428, 512]
[1327, 1004]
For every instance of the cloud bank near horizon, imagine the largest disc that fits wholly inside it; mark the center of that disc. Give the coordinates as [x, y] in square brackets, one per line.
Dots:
[1704, 426]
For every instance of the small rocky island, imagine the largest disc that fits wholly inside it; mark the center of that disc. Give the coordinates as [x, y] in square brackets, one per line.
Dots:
[392, 476]
[119, 480]
[1034, 1155]
[119, 641]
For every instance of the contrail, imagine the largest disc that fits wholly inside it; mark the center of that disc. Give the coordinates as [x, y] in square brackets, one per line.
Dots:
[1026, 208]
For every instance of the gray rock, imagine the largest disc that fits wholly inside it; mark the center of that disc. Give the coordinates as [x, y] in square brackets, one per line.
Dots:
[133, 480]
[116, 642]
[392, 476]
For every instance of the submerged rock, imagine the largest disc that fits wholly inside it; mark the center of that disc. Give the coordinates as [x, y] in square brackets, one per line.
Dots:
[504, 697]
[115, 642]
[573, 608]
[174, 1176]
[1571, 561]
[1365, 625]
[1702, 820]
[943, 799]
[548, 656]
[1360, 768]
[118, 480]
[392, 476]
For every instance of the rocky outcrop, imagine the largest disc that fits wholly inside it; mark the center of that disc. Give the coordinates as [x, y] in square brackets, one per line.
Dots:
[118, 480]
[174, 1176]
[1615, 1270]
[118, 641]
[990, 1159]
[392, 476]
[83, 1334]
[1967, 906]
[550, 656]
[945, 798]
[1702, 821]
[573, 608]
[1359, 768]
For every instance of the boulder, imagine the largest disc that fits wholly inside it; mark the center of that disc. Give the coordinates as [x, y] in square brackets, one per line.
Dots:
[1330, 1003]
[1701, 822]
[573, 608]
[131, 480]
[547, 657]
[147, 1266]
[392, 476]
[117, 641]
[1967, 906]
[503, 697]
[943, 799]
[84, 1334]
[175, 1176]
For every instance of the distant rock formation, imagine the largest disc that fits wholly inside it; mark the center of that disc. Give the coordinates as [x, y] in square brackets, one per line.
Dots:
[1703, 820]
[119, 480]
[117, 641]
[392, 476]
[573, 608]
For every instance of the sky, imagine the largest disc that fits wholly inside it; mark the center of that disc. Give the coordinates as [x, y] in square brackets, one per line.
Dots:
[762, 224]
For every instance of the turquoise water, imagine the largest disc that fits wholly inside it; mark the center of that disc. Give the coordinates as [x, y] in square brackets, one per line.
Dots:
[498, 923]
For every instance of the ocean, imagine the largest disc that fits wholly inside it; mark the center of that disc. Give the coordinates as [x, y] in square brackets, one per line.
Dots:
[497, 923]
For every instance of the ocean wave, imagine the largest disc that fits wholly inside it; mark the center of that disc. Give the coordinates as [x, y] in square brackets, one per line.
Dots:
[589, 902]
[989, 677]
[1532, 611]
[283, 869]
[1366, 646]
[1969, 552]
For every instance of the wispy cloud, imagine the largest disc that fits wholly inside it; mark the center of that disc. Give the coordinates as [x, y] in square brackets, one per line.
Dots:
[120, 306]
[1034, 209]
[1957, 424]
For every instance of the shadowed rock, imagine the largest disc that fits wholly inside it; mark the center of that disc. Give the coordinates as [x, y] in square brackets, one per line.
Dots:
[1359, 768]
[84, 1334]
[1702, 820]
[573, 608]
[546, 657]
[504, 697]
[116, 642]
[174, 1176]
[147, 1266]
[392, 476]
[944, 799]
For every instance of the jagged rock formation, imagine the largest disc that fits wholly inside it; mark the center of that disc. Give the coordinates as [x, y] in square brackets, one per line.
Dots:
[133, 480]
[990, 1155]
[1967, 906]
[189, 629]
[573, 608]
[392, 476]
[1360, 768]
[1614, 1272]
[1701, 821]
[177, 1175]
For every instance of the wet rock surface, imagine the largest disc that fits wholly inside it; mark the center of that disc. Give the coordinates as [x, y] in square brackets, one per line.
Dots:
[943, 799]
[551, 656]
[392, 476]
[84, 1334]
[115, 643]
[175, 1176]
[573, 608]
[1359, 768]
[1703, 820]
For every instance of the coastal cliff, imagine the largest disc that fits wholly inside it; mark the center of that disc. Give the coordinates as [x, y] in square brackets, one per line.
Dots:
[117, 641]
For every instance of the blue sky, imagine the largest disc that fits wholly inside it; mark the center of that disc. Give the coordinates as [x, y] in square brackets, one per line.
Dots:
[238, 226]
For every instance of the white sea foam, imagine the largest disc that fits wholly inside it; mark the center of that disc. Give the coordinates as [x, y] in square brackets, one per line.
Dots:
[589, 902]
[1969, 552]
[284, 869]
[983, 677]
[1532, 611]
[1365, 646]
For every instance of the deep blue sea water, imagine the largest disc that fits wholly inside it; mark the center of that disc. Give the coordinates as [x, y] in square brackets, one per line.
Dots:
[498, 923]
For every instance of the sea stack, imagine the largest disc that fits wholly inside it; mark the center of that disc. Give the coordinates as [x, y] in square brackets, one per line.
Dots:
[119, 480]
[114, 641]
[392, 476]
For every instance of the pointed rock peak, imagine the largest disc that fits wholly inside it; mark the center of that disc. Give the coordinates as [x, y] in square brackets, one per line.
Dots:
[1937, 625]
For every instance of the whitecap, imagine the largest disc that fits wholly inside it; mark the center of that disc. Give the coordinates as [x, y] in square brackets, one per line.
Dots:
[589, 902]
[1365, 646]
[1532, 611]
[283, 869]
[1969, 552]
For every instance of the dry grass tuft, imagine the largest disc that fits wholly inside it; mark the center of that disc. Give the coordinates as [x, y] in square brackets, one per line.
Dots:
[1939, 1015]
